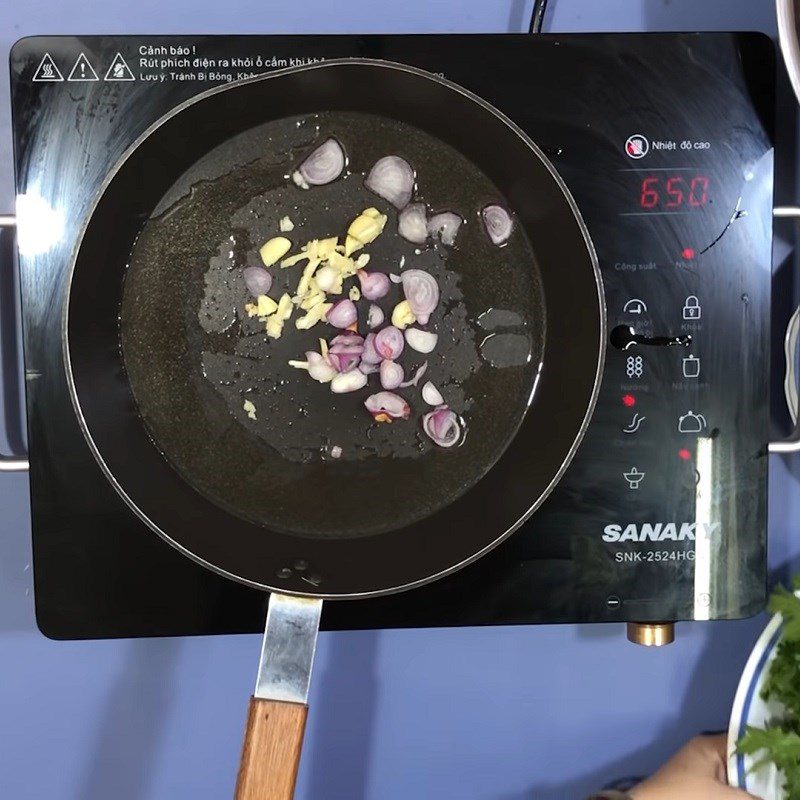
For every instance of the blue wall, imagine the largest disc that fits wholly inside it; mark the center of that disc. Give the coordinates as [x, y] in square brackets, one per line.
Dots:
[490, 714]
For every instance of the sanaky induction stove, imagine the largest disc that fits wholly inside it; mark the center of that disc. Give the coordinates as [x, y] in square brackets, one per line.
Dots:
[665, 141]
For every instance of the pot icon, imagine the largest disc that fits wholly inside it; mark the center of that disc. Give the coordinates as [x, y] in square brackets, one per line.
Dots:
[691, 423]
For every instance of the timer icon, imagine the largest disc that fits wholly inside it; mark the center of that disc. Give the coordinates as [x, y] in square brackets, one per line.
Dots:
[637, 146]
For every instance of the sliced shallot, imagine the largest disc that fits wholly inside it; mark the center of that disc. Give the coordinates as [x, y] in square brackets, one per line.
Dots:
[317, 365]
[389, 404]
[421, 341]
[442, 426]
[412, 224]
[417, 375]
[389, 342]
[370, 354]
[393, 179]
[422, 293]
[345, 351]
[375, 316]
[374, 285]
[445, 226]
[395, 278]
[257, 280]
[431, 395]
[343, 314]
[323, 166]
[391, 374]
[350, 381]
[498, 223]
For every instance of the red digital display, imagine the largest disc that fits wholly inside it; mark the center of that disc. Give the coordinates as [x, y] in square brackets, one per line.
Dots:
[667, 192]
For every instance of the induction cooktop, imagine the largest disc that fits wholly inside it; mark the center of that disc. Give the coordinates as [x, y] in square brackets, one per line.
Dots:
[665, 141]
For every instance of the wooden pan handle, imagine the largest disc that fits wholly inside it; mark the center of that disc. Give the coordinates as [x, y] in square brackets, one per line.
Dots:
[273, 740]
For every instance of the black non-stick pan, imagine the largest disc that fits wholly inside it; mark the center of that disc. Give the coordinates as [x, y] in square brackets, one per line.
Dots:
[313, 499]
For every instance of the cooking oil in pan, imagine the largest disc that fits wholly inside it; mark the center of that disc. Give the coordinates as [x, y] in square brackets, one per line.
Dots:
[258, 436]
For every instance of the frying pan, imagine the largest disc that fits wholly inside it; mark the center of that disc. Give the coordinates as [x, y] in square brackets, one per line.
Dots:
[200, 503]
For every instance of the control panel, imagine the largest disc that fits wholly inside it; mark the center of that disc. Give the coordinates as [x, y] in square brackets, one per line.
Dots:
[667, 494]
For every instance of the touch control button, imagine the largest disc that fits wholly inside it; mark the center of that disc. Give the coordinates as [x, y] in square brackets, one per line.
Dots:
[634, 366]
[691, 367]
[634, 477]
[692, 308]
[635, 423]
[635, 306]
[691, 422]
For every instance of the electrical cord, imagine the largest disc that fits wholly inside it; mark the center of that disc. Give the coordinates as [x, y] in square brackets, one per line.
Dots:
[537, 16]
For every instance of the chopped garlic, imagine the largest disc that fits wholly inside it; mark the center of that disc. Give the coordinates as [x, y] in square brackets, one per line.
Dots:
[299, 180]
[311, 300]
[351, 244]
[305, 280]
[354, 294]
[326, 247]
[274, 327]
[266, 306]
[262, 308]
[282, 313]
[364, 229]
[346, 266]
[403, 316]
[323, 348]
[250, 408]
[284, 310]
[286, 225]
[295, 259]
[313, 316]
[362, 261]
[274, 250]
[316, 250]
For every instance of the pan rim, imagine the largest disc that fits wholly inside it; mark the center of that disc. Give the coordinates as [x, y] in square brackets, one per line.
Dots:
[338, 62]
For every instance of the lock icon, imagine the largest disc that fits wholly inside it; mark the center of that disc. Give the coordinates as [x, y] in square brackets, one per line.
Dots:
[691, 308]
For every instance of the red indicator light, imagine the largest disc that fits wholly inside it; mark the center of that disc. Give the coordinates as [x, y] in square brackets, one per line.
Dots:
[628, 400]
[684, 454]
[688, 253]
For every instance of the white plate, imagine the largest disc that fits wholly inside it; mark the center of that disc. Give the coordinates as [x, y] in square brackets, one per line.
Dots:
[750, 709]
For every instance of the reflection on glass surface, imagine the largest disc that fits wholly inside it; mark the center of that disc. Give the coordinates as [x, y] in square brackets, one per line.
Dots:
[702, 543]
[39, 225]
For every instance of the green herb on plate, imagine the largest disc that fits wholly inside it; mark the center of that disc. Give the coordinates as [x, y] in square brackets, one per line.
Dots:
[779, 744]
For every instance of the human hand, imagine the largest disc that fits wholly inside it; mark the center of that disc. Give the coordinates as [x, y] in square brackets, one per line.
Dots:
[698, 771]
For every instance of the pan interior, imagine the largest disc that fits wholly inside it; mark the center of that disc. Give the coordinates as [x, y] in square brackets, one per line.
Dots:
[193, 356]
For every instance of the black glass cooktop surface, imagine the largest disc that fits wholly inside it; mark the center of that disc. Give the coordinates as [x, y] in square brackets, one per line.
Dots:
[665, 141]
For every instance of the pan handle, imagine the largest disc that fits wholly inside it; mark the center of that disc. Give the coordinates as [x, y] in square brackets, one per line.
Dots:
[273, 737]
[11, 463]
[790, 344]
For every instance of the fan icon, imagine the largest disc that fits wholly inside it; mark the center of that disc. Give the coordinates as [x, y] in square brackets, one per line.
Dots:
[634, 477]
